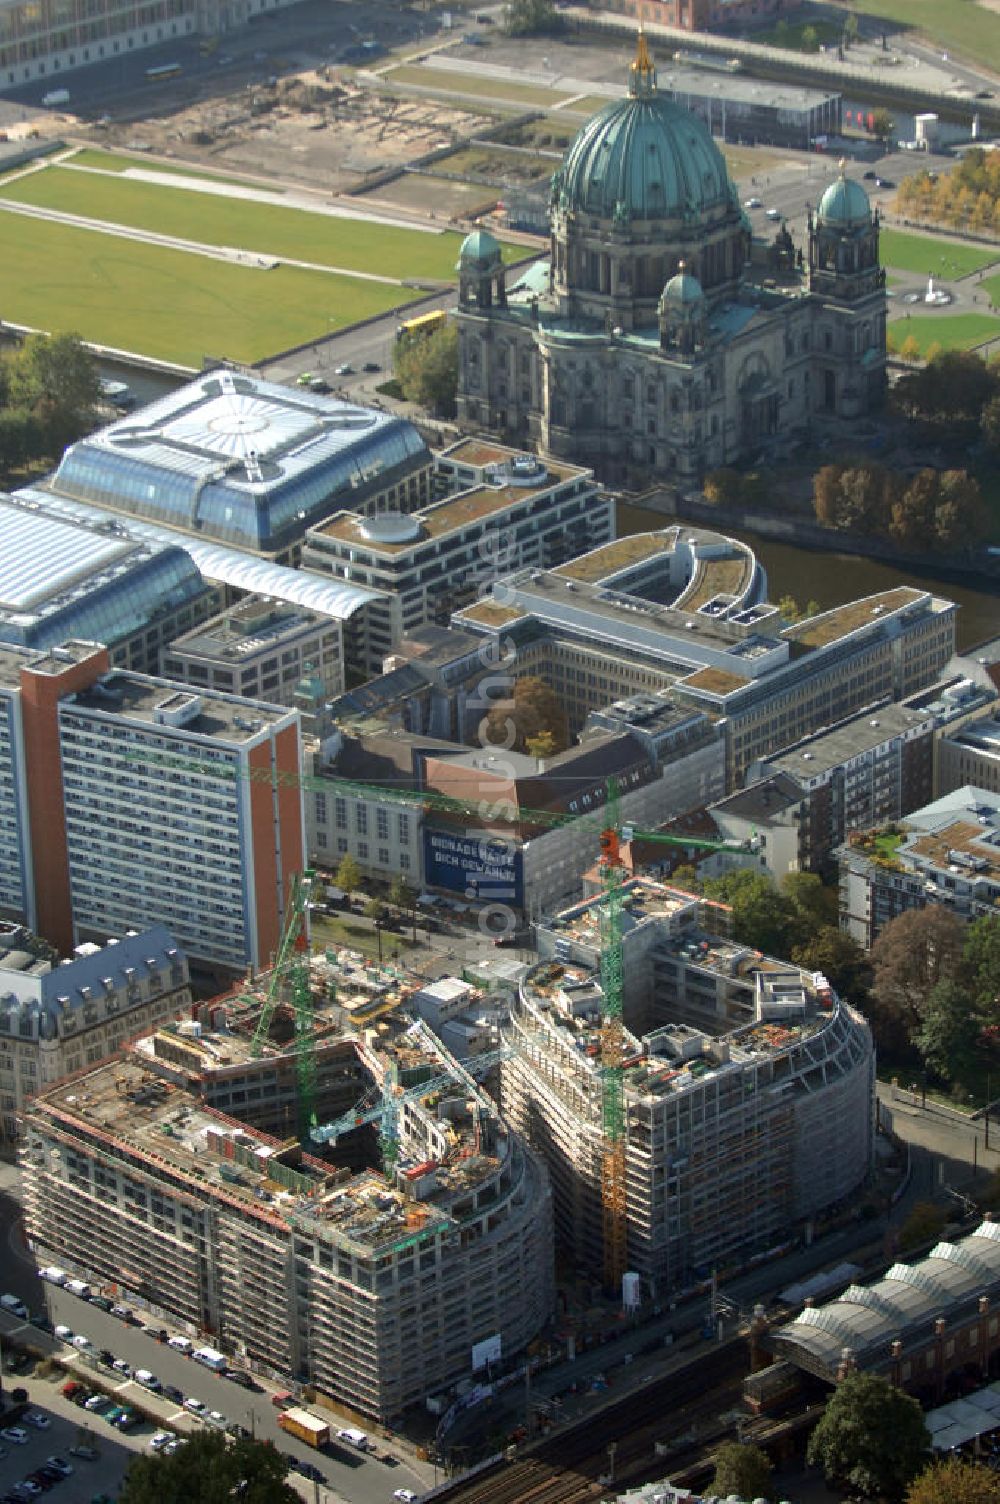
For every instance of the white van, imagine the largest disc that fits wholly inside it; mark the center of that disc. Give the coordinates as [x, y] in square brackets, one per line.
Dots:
[78, 1287]
[14, 1306]
[54, 98]
[180, 1344]
[216, 1361]
[147, 1379]
[354, 1437]
[54, 1275]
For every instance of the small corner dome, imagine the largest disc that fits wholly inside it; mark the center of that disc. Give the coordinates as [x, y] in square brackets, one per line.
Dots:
[845, 203]
[480, 248]
[684, 287]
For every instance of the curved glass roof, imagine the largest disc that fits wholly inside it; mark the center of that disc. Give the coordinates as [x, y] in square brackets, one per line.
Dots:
[62, 578]
[239, 460]
[335, 598]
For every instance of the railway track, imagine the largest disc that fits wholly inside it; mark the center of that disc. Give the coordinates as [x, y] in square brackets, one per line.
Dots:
[565, 1469]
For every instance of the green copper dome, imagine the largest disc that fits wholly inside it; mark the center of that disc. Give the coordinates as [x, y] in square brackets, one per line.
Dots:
[845, 203]
[480, 247]
[683, 288]
[644, 157]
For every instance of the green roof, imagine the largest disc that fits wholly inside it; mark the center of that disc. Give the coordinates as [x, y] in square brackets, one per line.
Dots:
[480, 246]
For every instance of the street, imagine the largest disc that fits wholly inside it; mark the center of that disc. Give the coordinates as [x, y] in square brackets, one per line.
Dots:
[357, 1477]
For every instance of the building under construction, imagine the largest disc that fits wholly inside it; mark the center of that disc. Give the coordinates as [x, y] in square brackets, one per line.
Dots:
[747, 1087]
[386, 1261]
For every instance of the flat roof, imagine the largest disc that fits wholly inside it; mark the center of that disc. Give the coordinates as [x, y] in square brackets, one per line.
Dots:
[204, 712]
[716, 681]
[818, 631]
[435, 521]
[481, 454]
[860, 734]
[252, 626]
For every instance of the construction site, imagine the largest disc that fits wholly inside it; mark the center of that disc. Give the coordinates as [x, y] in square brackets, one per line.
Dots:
[745, 1087]
[375, 1255]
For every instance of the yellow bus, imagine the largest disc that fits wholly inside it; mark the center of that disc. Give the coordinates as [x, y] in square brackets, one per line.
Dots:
[424, 323]
[163, 71]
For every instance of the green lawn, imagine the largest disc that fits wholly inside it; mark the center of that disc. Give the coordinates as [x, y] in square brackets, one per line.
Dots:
[473, 85]
[952, 331]
[353, 244]
[992, 286]
[791, 35]
[112, 161]
[961, 24]
[170, 304]
[926, 253]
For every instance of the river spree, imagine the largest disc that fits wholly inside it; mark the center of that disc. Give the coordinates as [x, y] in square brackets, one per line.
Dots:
[829, 578]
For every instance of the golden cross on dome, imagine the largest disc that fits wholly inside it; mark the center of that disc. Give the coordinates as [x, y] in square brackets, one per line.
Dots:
[642, 79]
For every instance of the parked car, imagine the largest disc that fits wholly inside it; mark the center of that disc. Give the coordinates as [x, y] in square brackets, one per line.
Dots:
[871, 175]
[88, 1453]
[97, 1404]
[120, 1366]
[82, 1342]
[159, 1440]
[311, 1471]
[16, 1434]
[774, 214]
[101, 1302]
[345, 370]
[61, 1466]
[106, 1358]
[171, 1392]
[753, 203]
[64, 1333]
[371, 365]
[319, 384]
[38, 1420]
[72, 1388]
[195, 1406]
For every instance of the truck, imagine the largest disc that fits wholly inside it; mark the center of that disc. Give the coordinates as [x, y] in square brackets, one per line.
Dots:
[216, 1361]
[308, 1428]
[54, 98]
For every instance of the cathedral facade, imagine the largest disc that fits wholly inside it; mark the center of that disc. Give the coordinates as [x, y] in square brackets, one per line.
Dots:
[650, 344]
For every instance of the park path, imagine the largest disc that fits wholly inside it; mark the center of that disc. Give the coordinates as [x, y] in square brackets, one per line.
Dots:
[258, 260]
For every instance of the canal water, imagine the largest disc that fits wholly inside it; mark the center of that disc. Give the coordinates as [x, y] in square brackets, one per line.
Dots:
[830, 579]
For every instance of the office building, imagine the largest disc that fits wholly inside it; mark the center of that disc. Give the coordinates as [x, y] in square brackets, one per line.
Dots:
[947, 853]
[748, 1087]
[376, 1287]
[684, 612]
[970, 754]
[511, 511]
[131, 801]
[41, 44]
[801, 804]
[707, 15]
[664, 760]
[247, 463]
[260, 649]
[650, 344]
[56, 1017]
[63, 578]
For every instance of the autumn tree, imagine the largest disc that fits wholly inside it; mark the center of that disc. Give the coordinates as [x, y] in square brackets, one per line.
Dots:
[348, 874]
[840, 958]
[742, 1471]
[871, 1437]
[955, 1481]
[723, 487]
[910, 348]
[534, 709]
[925, 1224]
[981, 967]
[426, 367]
[914, 952]
[826, 494]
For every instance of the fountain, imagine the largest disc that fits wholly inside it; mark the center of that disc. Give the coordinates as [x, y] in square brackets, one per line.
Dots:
[936, 297]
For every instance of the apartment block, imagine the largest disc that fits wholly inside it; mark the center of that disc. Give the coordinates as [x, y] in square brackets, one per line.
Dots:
[133, 801]
[375, 1286]
[801, 804]
[56, 1017]
[748, 1087]
[970, 755]
[947, 853]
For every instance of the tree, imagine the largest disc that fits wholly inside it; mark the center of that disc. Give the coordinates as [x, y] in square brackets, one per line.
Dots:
[723, 487]
[840, 958]
[54, 377]
[810, 39]
[348, 874]
[375, 910]
[850, 29]
[542, 745]
[981, 967]
[925, 1224]
[744, 1471]
[883, 127]
[527, 18]
[401, 893]
[813, 904]
[534, 709]
[209, 1469]
[961, 520]
[871, 1437]
[910, 348]
[826, 494]
[948, 1035]
[914, 952]
[762, 918]
[954, 1481]
[426, 367]
[990, 424]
